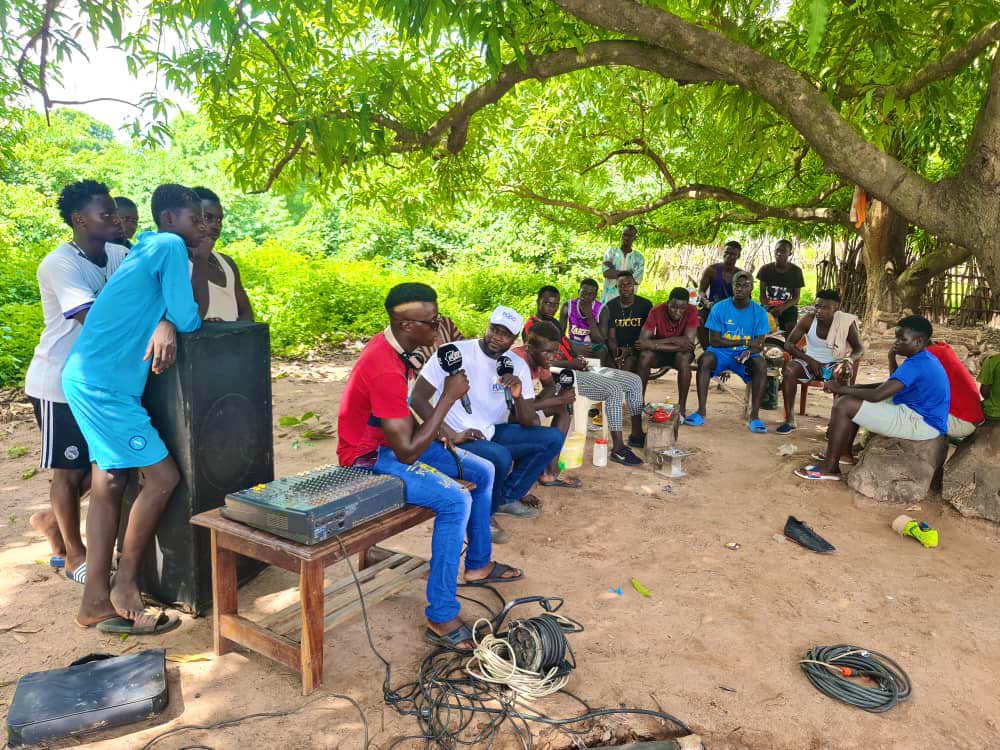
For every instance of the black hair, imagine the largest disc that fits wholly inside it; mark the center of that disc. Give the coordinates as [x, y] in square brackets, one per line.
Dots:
[679, 293]
[784, 242]
[171, 197]
[734, 244]
[543, 329]
[589, 282]
[205, 194]
[76, 195]
[122, 202]
[627, 273]
[548, 289]
[831, 294]
[917, 324]
[410, 291]
[632, 227]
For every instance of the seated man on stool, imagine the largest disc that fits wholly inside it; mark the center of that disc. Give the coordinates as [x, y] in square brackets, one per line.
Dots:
[377, 431]
[833, 349]
[550, 401]
[667, 340]
[736, 327]
[912, 404]
[519, 449]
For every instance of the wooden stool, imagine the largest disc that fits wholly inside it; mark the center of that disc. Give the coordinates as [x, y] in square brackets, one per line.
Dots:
[275, 636]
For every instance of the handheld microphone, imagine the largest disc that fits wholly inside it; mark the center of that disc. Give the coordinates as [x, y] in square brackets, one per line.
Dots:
[566, 379]
[450, 359]
[506, 367]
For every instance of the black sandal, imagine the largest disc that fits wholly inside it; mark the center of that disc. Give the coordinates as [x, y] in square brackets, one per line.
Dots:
[497, 576]
[450, 640]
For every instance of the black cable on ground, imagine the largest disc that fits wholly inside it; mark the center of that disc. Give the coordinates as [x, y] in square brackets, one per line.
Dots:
[834, 671]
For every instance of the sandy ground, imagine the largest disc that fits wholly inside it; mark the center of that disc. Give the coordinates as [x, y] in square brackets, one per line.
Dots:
[716, 644]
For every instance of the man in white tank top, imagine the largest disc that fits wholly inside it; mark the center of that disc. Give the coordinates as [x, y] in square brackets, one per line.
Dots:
[817, 361]
[215, 278]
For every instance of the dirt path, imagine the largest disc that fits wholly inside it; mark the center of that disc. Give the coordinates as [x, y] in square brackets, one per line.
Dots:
[717, 643]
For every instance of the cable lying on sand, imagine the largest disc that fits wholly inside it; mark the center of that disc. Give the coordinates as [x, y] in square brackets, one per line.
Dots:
[833, 670]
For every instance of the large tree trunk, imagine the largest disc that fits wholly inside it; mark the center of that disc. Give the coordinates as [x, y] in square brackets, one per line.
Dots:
[884, 234]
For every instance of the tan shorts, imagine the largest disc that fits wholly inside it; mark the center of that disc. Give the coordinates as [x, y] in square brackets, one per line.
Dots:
[893, 420]
[959, 428]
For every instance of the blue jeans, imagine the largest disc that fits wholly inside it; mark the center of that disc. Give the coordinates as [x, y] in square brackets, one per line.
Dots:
[527, 449]
[457, 513]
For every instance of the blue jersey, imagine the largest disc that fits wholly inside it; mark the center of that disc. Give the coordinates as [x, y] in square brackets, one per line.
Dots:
[735, 324]
[152, 283]
[926, 389]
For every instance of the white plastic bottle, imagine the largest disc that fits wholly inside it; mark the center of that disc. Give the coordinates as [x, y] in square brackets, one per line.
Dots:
[600, 453]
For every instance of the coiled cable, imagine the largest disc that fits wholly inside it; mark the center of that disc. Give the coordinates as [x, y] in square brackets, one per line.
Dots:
[833, 671]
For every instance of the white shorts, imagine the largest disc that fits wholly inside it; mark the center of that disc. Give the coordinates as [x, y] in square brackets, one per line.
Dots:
[893, 420]
[959, 428]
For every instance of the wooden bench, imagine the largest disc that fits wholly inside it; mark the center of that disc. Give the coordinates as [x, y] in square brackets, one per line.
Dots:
[294, 636]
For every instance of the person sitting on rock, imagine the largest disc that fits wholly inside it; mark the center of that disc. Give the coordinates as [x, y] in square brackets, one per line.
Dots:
[832, 350]
[965, 410]
[737, 328]
[911, 405]
[989, 387]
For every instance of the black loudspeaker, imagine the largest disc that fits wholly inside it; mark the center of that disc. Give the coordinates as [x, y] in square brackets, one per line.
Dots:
[213, 411]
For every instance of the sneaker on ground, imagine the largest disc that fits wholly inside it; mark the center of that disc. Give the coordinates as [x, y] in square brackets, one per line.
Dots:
[517, 508]
[785, 428]
[626, 457]
[497, 534]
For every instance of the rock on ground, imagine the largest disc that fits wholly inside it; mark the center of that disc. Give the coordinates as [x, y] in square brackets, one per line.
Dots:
[897, 471]
[972, 476]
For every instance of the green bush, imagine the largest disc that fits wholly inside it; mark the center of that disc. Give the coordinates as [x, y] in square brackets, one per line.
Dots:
[20, 327]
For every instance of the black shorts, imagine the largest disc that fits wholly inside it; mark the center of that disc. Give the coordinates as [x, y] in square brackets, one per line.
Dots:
[63, 446]
[665, 359]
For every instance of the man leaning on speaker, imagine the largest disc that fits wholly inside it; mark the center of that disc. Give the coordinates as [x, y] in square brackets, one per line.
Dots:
[376, 430]
[103, 379]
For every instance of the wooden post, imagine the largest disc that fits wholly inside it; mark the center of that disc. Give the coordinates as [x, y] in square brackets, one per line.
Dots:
[224, 584]
[311, 647]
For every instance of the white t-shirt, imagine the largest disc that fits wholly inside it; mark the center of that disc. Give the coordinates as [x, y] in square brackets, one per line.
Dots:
[68, 282]
[489, 405]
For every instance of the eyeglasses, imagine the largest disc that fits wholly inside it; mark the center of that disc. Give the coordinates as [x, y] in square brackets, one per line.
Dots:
[433, 322]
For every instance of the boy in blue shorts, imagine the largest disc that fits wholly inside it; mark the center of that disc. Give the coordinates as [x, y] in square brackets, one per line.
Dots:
[736, 329]
[103, 379]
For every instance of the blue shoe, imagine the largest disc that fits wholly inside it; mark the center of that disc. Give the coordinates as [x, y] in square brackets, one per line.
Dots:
[694, 420]
[57, 562]
[757, 426]
[785, 428]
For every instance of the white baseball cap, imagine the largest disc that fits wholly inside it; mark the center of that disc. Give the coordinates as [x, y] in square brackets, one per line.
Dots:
[508, 318]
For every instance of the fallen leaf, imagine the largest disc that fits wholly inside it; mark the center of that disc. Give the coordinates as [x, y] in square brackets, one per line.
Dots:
[643, 591]
[29, 473]
[189, 658]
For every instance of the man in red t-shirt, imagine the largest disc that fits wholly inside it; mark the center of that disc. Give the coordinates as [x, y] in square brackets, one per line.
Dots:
[376, 431]
[965, 410]
[668, 339]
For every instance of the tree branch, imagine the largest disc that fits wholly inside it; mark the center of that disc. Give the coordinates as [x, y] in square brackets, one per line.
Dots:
[951, 63]
[280, 165]
[455, 122]
[805, 213]
[838, 142]
[913, 280]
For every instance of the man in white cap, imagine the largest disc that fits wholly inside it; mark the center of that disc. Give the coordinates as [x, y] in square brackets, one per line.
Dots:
[501, 425]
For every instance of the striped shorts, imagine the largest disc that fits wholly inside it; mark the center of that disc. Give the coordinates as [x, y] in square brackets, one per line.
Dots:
[63, 446]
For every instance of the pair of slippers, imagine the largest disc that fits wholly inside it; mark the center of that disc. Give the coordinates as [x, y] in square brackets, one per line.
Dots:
[463, 633]
[151, 623]
[696, 420]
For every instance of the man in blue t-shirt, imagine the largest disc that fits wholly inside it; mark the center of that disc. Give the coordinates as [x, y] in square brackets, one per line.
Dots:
[103, 380]
[912, 404]
[736, 330]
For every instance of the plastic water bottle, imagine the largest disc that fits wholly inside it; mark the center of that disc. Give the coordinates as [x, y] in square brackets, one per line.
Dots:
[600, 453]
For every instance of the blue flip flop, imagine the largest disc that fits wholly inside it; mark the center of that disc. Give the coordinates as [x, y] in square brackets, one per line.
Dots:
[57, 562]
[694, 420]
[79, 575]
[757, 426]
